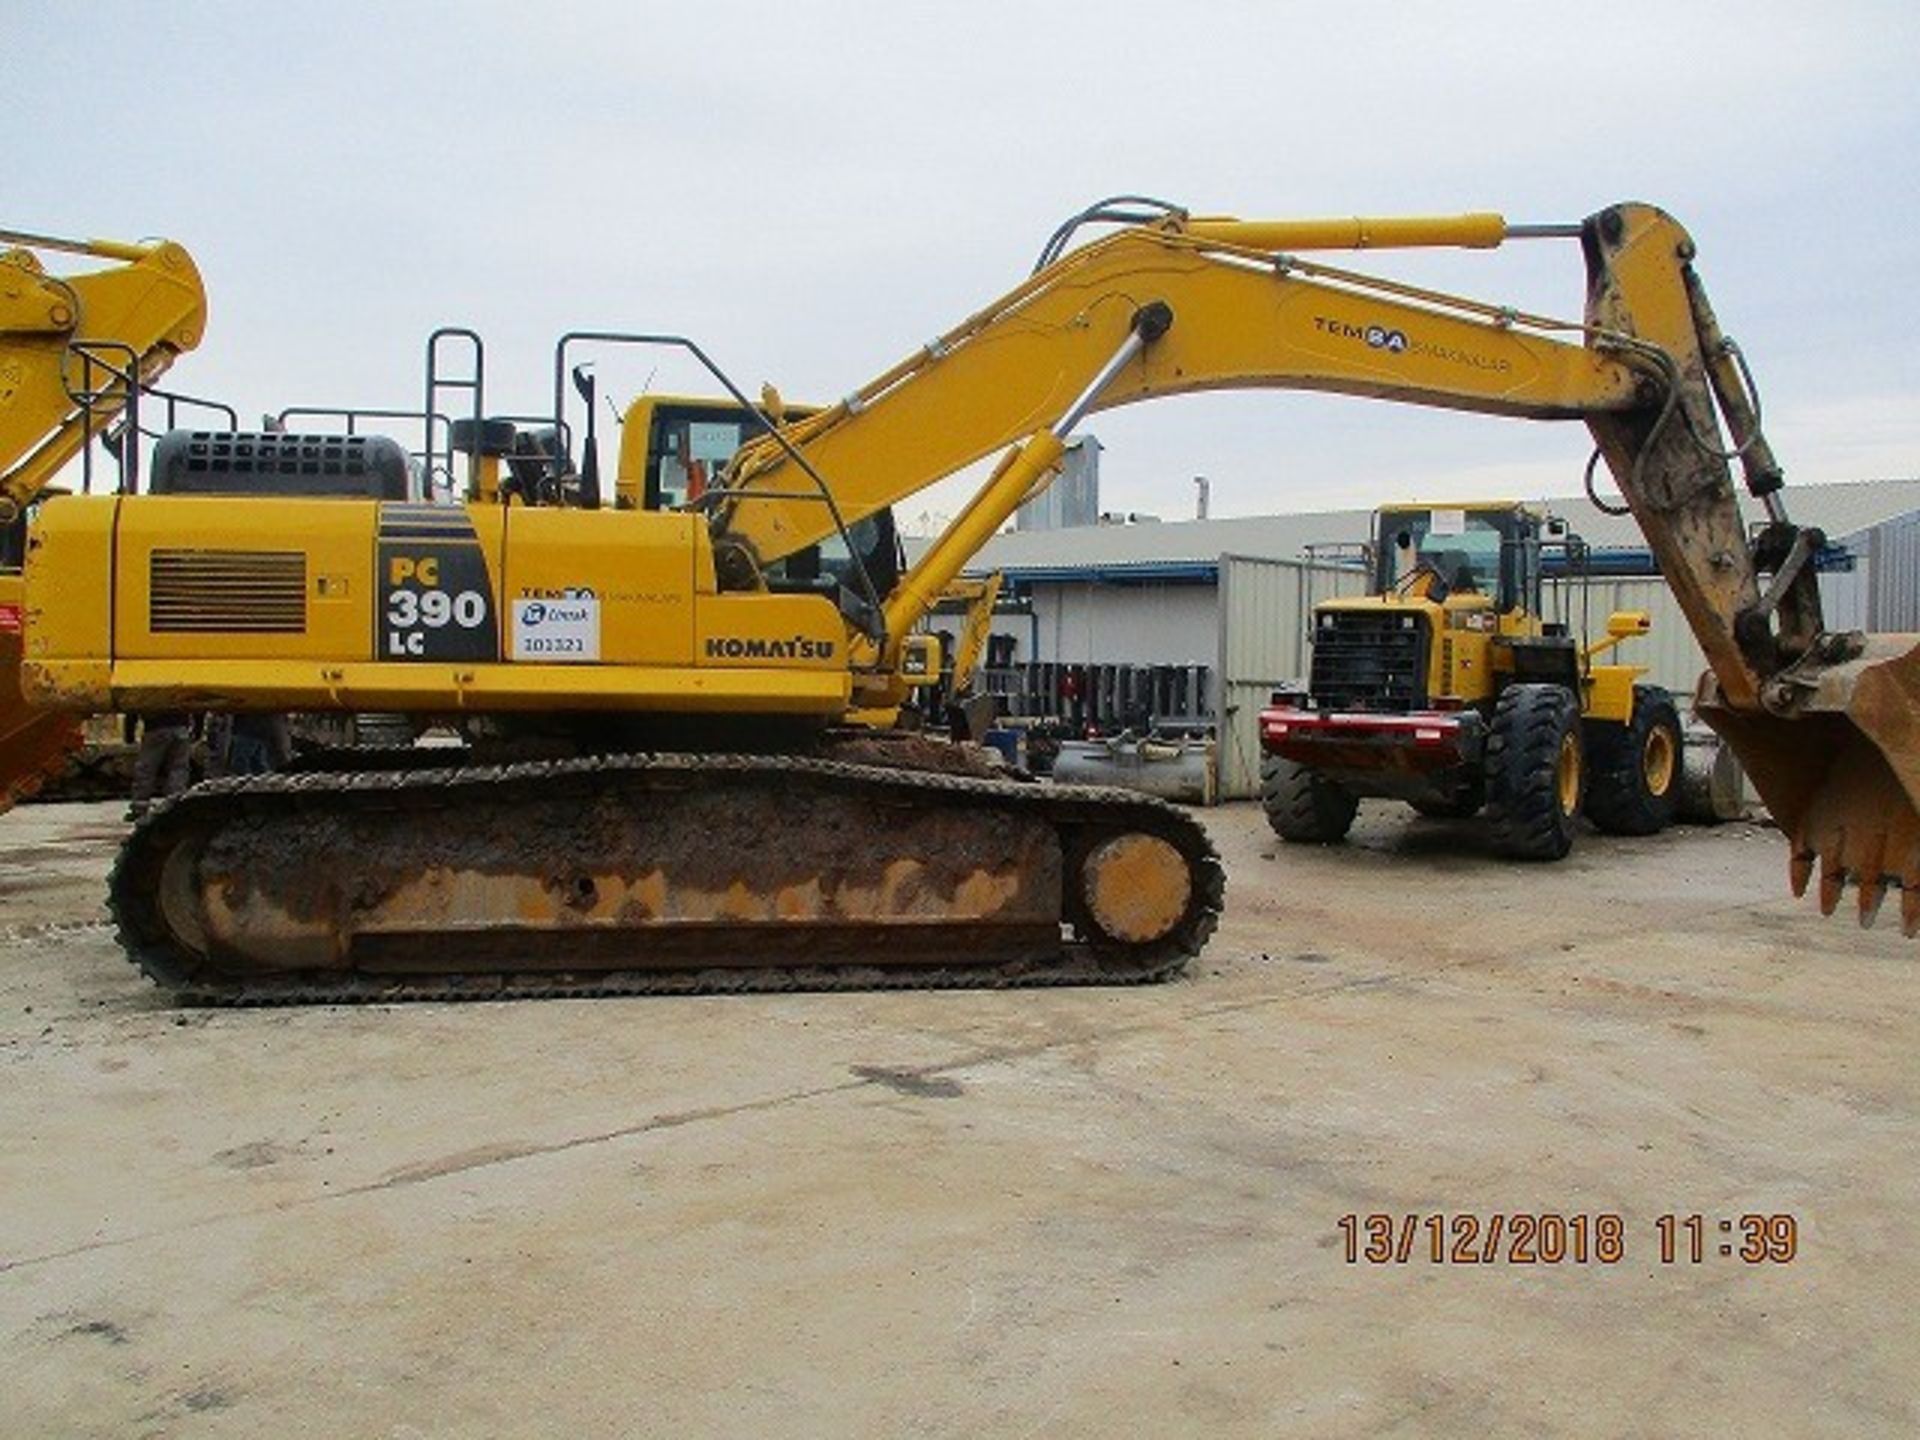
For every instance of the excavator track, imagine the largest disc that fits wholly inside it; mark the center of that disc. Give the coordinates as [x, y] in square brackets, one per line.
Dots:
[655, 874]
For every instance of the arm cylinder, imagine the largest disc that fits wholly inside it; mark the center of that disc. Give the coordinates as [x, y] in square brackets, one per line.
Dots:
[1475, 232]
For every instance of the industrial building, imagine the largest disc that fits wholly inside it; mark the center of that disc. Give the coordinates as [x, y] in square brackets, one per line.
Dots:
[1192, 623]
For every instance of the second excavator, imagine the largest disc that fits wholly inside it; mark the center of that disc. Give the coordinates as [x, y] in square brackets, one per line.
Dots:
[688, 810]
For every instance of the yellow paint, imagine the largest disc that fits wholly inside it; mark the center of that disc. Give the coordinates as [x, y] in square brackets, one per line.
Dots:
[1137, 887]
[332, 537]
[1015, 366]
[983, 894]
[67, 607]
[152, 303]
[639, 567]
[1477, 231]
[1607, 692]
[373, 685]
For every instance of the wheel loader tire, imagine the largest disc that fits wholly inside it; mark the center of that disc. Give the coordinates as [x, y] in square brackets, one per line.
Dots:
[1536, 772]
[1636, 767]
[1302, 806]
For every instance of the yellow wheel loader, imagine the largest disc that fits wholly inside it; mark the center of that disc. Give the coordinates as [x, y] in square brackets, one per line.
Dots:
[1445, 687]
[694, 823]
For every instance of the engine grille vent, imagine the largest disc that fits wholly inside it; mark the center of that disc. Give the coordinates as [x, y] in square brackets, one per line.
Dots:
[246, 453]
[254, 592]
[1369, 660]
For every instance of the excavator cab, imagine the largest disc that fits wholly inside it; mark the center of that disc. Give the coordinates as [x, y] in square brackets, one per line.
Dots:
[674, 449]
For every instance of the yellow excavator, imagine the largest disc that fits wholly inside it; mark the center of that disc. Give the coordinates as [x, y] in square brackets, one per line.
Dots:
[953, 694]
[701, 827]
[75, 351]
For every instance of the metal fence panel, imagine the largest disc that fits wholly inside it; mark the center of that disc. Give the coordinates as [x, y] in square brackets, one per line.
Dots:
[1668, 651]
[1266, 610]
[1846, 597]
[1893, 575]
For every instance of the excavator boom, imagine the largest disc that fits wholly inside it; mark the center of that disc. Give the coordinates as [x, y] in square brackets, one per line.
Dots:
[1220, 303]
[73, 350]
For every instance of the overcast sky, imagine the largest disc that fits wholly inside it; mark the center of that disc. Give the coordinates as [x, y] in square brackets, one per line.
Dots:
[813, 190]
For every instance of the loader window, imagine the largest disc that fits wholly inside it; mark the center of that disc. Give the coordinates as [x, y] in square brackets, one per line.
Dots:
[1469, 549]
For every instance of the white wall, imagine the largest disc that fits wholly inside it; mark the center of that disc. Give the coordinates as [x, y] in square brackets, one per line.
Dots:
[1083, 623]
[1894, 549]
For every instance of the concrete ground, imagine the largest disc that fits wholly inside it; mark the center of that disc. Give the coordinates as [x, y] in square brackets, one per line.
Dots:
[1046, 1214]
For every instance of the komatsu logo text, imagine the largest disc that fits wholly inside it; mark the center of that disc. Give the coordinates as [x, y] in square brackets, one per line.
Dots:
[800, 647]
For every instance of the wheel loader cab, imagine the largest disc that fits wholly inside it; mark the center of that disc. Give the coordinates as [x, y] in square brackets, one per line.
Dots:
[1489, 550]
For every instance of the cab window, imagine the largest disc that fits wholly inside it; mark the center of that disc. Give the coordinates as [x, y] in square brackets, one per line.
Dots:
[1470, 550]
[687, 454]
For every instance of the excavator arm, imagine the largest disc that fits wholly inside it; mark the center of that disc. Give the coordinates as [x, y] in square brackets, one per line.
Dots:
[132, 318]
[979, 596]
[72, 350]
[1825, 723]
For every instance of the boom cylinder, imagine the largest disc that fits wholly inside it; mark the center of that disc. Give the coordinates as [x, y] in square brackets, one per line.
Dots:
[1012, 481]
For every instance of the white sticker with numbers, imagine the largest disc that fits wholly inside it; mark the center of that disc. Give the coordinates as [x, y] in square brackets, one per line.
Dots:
[556, 630]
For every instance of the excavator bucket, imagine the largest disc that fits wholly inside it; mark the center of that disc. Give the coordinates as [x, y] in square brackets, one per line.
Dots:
[35, 744]
[1842, 777]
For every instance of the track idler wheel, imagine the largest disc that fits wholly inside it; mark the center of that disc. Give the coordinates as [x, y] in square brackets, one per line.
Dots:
[1137, 887]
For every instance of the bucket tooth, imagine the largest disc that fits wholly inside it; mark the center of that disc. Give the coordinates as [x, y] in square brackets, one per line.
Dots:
[1872, 892]
[1871, 876]
[1800, 871]
[1833, 877]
